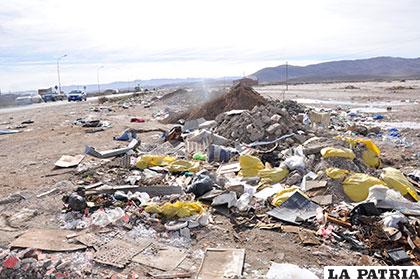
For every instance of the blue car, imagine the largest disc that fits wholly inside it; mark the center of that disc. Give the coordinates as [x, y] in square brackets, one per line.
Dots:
[76, 95]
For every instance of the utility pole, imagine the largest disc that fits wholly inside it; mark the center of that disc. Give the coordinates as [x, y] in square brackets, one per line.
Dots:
[58, 72]
[287, 76]
[97, 78]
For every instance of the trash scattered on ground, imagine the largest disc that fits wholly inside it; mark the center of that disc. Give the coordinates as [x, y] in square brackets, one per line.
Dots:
[92, 124]
[286, 271]
[67, 161]
[9, 132]
[235, 165]
[110, 153]
[137, 120]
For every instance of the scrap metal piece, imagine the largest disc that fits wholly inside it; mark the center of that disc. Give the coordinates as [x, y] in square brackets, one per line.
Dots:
[295, 209]
[119, 252]
[222, 263]
[398, 255]
[110, 153]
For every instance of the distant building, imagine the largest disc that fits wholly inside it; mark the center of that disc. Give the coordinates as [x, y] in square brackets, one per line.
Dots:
[247, 81]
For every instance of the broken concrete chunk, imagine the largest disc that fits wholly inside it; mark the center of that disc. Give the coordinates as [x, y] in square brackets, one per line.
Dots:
[272, 128]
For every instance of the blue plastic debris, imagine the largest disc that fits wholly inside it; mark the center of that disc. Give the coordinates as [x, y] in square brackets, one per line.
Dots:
[128, 135]
[378, 116]
[393, 132]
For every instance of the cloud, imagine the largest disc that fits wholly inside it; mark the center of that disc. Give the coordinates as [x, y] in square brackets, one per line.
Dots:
[202, 38]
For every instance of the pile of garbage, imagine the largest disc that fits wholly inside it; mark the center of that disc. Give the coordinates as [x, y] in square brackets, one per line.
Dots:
[92, 124]
[262, 168]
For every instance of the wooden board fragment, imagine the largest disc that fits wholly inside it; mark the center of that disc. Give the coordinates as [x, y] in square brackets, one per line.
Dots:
[47, 240]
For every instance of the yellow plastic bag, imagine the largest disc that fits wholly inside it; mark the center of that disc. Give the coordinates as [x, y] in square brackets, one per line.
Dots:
[284, 195]
[329, 152]
[145, 161]
[371, 159]
[394, 179]
[371, 155]
[356, 186]
[273, 175]
[179, 209]
[336, 173]
[250, 165]
[367, 142]
[183, 165]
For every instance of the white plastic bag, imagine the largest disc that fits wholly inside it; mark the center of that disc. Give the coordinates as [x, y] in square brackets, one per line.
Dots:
[288, 271]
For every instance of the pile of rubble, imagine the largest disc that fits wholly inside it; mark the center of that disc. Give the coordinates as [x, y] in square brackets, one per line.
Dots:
[32, 263]
[262, 123]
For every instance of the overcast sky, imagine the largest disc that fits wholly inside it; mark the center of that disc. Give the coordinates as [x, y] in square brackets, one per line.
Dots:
[136, 39]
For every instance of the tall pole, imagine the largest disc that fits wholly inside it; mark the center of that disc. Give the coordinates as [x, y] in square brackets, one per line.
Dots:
[58, 72]
[287, 76]
[97, 77]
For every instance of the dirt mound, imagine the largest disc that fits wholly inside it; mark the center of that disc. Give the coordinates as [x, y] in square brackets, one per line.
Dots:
[239, 97]
[187, 98]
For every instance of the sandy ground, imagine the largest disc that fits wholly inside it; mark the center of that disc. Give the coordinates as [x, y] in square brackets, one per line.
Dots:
[27, 162]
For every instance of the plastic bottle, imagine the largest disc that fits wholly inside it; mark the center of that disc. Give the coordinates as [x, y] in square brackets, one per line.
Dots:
[199, 156]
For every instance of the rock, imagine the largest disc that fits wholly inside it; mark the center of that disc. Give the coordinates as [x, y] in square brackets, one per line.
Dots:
[256, 135]
[249, 128]
[266, 120]
[208, 124]
[275, 118]
[272, 128]
[294, 179]
[290, 141]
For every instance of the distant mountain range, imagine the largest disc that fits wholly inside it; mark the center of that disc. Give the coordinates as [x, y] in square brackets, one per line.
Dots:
[345, 70]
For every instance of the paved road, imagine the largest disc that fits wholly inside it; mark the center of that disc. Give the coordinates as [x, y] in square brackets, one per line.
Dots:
[58, 103]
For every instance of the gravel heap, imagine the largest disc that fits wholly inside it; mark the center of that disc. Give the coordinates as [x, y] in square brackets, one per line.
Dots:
[266, 122]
